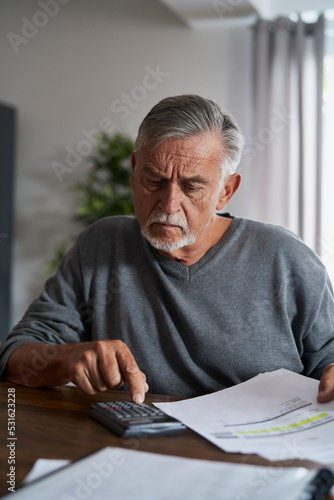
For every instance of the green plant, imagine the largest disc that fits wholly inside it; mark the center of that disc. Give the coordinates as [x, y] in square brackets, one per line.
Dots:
[107, 188]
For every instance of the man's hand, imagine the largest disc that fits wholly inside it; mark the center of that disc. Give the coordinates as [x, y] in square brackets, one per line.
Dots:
[105, 364]
[92, 366]
[326, 386]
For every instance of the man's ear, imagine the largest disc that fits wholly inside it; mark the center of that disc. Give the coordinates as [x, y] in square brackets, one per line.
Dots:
[133, 165]
[231, 185]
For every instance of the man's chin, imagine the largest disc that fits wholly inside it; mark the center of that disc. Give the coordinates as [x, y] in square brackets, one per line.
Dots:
[165, 245]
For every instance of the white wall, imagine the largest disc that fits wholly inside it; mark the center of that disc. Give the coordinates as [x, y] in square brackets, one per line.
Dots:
[65, 78]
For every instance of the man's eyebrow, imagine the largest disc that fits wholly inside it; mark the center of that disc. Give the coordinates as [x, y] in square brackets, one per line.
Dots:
[152, 171]
[197, 179]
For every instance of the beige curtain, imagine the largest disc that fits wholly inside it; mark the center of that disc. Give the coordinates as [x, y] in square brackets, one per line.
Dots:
[285, 150]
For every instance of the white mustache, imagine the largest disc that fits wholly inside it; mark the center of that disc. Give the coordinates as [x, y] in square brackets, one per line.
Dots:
[173, 219]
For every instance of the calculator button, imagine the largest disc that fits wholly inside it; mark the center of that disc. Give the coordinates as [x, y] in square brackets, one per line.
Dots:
[137, 420]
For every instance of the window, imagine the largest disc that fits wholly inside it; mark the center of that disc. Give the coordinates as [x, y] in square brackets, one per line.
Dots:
[327, 239]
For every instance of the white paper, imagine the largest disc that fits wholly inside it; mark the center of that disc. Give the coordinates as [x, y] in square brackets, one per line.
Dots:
[275, 415]
[123, 474]
[43, 466]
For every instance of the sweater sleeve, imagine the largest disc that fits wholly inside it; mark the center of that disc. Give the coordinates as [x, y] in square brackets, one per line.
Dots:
[60, 315]
[318, 341]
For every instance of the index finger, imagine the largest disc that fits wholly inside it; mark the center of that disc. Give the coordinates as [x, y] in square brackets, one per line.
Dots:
[131, 374]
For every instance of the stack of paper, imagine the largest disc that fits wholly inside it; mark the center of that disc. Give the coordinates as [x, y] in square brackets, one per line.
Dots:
[116, 473]
[275, 415]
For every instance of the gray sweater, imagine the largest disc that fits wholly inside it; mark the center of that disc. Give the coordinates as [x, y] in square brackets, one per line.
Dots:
[257, 301]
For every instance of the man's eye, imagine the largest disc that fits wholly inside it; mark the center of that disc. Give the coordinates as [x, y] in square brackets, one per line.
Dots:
[154, 182]
[191, 188]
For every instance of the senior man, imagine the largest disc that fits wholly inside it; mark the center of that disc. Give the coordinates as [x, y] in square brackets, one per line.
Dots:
[189, 298]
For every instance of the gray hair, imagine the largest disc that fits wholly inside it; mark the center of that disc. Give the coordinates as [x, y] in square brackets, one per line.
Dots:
[186, 116]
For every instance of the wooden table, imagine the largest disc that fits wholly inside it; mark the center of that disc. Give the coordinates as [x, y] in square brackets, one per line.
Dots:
[54, 423]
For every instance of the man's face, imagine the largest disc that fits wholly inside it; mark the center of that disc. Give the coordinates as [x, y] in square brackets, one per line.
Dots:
[177, 190]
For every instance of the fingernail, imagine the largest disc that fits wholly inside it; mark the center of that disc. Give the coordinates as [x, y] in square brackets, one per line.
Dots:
[138, 398]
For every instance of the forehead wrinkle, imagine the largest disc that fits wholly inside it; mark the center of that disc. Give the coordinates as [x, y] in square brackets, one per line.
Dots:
[194, 156]
[164, 161]
[193, 175]
[196, 178]
[191, 156]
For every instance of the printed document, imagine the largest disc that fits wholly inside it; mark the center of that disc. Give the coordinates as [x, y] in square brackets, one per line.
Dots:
[275, 415]
[117, 473]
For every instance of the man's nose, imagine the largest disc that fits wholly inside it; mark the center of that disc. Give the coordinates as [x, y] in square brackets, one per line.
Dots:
[170, 199]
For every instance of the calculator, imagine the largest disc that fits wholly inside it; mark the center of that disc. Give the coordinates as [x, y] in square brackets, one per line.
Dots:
[128, 419]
